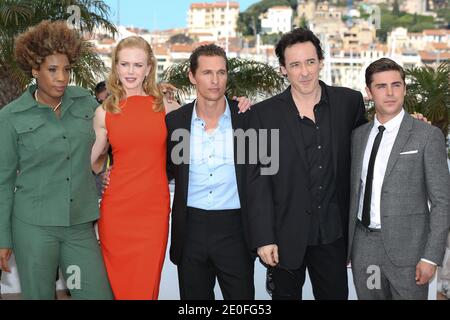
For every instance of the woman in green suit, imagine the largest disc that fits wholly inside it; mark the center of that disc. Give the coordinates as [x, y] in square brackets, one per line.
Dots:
[48, 199]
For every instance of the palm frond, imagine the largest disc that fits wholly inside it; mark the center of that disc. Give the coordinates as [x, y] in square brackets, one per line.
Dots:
[253, 79]
[89, 69]
[18, 15]
[429, 94]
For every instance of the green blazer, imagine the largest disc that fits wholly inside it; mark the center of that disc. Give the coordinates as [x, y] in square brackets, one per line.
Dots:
[45, 171]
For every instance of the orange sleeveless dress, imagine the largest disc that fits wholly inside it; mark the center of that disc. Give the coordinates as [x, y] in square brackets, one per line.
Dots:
[134, 221]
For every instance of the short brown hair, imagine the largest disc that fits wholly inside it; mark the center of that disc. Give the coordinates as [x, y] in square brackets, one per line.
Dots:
[381, 65]
[45, 39]
[209, 50]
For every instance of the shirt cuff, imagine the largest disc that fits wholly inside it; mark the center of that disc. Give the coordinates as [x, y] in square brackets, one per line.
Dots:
[430, 262]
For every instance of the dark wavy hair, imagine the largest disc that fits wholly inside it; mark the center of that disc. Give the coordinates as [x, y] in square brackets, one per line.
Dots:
[298, 35]
[380, 65]
[45, 39]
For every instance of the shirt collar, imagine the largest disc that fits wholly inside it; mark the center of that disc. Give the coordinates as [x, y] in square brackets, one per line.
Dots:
[392, 124]
[323, 95]
[27, 101]
[225, 115]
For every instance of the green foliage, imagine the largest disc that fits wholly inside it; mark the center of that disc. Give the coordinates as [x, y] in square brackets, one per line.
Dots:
[429, 94]
[180, 38]
[304, 22]
[248, 21]
[413, 22]
[271, 39]
[444, 14]
[396, 8]
[16, 16]
[341, 3]
[245, 78]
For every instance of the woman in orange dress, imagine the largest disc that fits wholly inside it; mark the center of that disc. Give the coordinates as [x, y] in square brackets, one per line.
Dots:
[133, 226]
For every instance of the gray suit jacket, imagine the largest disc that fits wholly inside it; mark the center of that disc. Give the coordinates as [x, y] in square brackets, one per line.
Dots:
[410, 230]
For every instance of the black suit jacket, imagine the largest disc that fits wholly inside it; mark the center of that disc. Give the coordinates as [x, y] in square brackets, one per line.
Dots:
[279, 206]
[181, 118]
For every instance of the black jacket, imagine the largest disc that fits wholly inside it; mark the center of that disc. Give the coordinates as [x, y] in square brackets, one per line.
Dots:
[279, 206]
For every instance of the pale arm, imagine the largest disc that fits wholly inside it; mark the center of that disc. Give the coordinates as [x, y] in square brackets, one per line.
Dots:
[101, 145]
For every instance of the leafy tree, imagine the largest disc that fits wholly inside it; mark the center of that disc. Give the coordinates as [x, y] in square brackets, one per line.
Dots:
[248, 21]
[271, 39]
[414, 23]
[429, 94]
[16, 16]
[396, 8]
[180, 38]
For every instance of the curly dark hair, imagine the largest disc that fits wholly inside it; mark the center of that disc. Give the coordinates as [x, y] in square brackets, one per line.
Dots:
[45, 39]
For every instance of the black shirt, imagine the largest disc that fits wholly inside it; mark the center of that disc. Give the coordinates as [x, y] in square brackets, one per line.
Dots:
[326, 225]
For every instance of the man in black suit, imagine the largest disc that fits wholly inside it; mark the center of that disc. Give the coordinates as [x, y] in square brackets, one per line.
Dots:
[207, 235]
[298, 217]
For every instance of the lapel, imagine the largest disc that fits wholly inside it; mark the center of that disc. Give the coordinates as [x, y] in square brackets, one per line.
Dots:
[184, 168]
[237, 122]
[402, 137]
[360, 148]
[335, 125]
[290, 114]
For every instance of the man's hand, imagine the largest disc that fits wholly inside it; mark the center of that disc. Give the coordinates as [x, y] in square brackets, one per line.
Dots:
[244, 103]
[105, 179]
[168, 91]
[420, 117]
[5, 254]
[424, 272]
[269, 254]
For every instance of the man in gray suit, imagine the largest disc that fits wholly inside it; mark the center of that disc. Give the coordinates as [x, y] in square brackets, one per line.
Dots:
[400, 190]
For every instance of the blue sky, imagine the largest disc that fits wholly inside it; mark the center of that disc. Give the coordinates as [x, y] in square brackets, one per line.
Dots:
[157, 14]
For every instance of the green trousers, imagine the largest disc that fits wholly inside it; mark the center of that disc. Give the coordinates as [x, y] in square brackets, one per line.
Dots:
[39, 250]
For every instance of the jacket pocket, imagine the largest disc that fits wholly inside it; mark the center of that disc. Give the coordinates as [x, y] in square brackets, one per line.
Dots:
[83, 119]
[31, 132]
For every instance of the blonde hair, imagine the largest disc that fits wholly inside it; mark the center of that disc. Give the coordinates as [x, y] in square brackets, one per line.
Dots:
[114, 86]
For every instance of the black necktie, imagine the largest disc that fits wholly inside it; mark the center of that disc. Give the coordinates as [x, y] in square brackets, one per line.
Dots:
[369, 178]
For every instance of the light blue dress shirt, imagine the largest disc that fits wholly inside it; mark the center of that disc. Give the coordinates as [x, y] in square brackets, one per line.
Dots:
[212, 175]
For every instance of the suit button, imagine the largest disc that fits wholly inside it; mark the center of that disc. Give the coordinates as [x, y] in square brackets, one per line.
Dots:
[308, 213]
